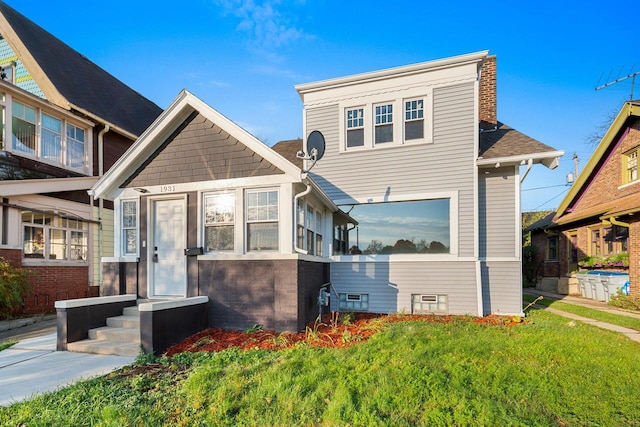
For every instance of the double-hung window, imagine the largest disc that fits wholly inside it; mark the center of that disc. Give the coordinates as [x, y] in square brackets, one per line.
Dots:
[53, 237]
[383, 123]
[355, 127]
[414, 119]
[219, 222]
[262, 220]
[129, 227]
[309, 227]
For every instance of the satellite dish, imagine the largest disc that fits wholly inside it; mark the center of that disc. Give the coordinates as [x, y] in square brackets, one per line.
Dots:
[315, 145]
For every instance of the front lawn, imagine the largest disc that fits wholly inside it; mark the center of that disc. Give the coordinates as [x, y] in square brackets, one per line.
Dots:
[546, 371]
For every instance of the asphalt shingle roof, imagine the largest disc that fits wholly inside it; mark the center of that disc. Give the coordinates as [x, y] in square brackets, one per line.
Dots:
[80, 81]
[506, 142]
[288, 149]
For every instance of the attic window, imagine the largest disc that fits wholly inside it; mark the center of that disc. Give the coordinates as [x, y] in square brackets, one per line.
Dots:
[630, 166]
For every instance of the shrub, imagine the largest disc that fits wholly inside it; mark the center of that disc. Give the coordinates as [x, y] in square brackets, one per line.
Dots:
[14, 287]
[628, 302]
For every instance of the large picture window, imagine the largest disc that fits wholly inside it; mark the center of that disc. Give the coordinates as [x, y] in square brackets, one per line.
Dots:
[53, 237]
[219, 222]
[410, 227]
[262, 220]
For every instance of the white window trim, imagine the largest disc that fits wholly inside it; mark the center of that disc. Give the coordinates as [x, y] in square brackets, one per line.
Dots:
[306, 204]
[202, 220]
[396, 99]
[245, 222]
[53, 112]
[453, 229]
[122, 243]
[47, 243]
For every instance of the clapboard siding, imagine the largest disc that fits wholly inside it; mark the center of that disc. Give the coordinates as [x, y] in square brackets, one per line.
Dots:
[497, 213]
[457, 280]
[446, 164]
[501, 289]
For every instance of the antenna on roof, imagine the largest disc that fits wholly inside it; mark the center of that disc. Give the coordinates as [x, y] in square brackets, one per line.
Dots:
[631, 76]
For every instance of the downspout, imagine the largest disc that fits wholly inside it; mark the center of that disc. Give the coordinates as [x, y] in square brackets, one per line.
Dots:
[524, 175]
[295, 221]
[100, 200]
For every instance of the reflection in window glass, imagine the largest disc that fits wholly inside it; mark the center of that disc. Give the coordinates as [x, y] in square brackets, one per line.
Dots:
[23, 127]
[219, 214]
[400, 227]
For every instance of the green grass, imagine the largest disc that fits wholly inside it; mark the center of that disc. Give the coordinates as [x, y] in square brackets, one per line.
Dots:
[7, 344]
[547, 371]
[614, 319]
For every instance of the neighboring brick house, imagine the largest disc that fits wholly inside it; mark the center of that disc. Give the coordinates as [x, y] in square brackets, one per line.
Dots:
[413, 207]
[597, 223]
[65, 122]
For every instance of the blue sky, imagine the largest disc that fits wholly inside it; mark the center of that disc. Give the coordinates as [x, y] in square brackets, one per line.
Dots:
[245, 57]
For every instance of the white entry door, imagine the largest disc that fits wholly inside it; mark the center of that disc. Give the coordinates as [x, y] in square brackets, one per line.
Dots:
[168, 272]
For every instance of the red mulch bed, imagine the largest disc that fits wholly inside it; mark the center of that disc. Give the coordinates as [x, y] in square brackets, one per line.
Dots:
[333, 331]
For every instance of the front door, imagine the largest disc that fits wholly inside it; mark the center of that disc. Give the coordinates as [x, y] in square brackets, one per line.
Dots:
[167, 272]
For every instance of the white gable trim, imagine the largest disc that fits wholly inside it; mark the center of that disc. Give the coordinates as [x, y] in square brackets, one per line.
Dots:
[168, 122]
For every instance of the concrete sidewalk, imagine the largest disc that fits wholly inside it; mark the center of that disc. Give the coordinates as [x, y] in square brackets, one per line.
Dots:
[33, 366]
[632, 334]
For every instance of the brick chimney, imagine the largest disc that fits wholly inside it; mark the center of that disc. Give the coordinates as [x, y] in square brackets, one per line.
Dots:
[488, 114]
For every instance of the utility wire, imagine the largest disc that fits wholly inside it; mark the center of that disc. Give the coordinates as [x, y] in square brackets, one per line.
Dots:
[553, 198]
[541, 188]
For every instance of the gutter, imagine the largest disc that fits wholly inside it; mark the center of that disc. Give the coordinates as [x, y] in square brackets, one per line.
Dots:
[100, 200]
[118, 129]
[295, 222]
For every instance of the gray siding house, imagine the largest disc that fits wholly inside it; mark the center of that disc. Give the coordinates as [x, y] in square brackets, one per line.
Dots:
[431, 180]
[414, 205]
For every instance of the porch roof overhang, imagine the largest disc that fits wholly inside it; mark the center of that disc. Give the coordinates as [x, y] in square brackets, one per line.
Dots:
[550, 159]
[51, 185]
[615, 208]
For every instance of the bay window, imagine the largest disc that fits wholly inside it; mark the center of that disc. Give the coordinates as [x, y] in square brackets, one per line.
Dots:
[38, 133]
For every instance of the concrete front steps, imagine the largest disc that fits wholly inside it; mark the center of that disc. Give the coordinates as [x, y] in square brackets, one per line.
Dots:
[121, 336]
